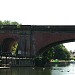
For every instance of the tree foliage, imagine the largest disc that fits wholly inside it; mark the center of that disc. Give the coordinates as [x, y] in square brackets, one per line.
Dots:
[57, 52]
[14, 48]
[6, 22]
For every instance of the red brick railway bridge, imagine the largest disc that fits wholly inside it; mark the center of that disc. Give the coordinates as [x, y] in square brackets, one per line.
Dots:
[32, 39]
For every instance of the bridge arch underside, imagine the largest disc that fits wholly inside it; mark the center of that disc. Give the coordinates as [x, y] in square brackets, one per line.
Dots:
[7, 41]
[7, 45]
[42, 50]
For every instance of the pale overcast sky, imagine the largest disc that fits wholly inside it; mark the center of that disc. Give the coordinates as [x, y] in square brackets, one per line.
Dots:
[44, 12]
[39, 12]
[70, 46]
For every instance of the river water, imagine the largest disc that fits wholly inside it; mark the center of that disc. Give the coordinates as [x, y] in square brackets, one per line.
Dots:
[54, 69]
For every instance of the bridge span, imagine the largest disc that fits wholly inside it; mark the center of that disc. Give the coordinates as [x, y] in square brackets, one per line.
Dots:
[33, 39]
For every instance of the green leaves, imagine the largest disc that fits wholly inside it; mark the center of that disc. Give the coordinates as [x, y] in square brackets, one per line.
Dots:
[14, 48]
[57, 52]
[7, 22]
[1, 23]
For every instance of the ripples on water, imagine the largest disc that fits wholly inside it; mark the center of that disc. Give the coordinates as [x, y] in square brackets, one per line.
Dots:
[54, 70]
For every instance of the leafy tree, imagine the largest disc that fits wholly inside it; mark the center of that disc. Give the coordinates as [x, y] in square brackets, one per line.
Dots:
[61, 52]
[1, 23]
[57, 52]
[7, 22]
[67, 54]
[14, 48]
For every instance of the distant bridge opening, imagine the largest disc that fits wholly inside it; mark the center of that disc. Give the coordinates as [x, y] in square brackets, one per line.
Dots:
[7, 45]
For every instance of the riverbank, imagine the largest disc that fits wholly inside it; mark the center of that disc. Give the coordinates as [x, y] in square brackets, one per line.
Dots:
[62, 60]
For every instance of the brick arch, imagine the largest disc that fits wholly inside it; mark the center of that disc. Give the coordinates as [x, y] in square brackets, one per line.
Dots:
[42, 50]
[6, 41]
[6, 44]
[45, 38]
[4, 36]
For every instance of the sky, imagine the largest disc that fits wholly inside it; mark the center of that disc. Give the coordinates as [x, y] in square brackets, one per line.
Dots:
[39, 12]
[70, 46]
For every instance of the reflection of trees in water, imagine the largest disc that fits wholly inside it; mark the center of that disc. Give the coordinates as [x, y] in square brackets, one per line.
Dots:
[31, 71]
[58, 64]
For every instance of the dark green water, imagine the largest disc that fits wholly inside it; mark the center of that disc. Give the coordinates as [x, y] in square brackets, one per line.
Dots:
[55, 69]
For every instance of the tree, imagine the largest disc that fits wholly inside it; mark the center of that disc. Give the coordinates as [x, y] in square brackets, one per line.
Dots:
[1, 23]
[14, 48]
[57, 52]
[7, 22]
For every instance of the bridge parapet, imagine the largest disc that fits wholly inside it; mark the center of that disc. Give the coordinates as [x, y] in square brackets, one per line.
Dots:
[51, 28]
